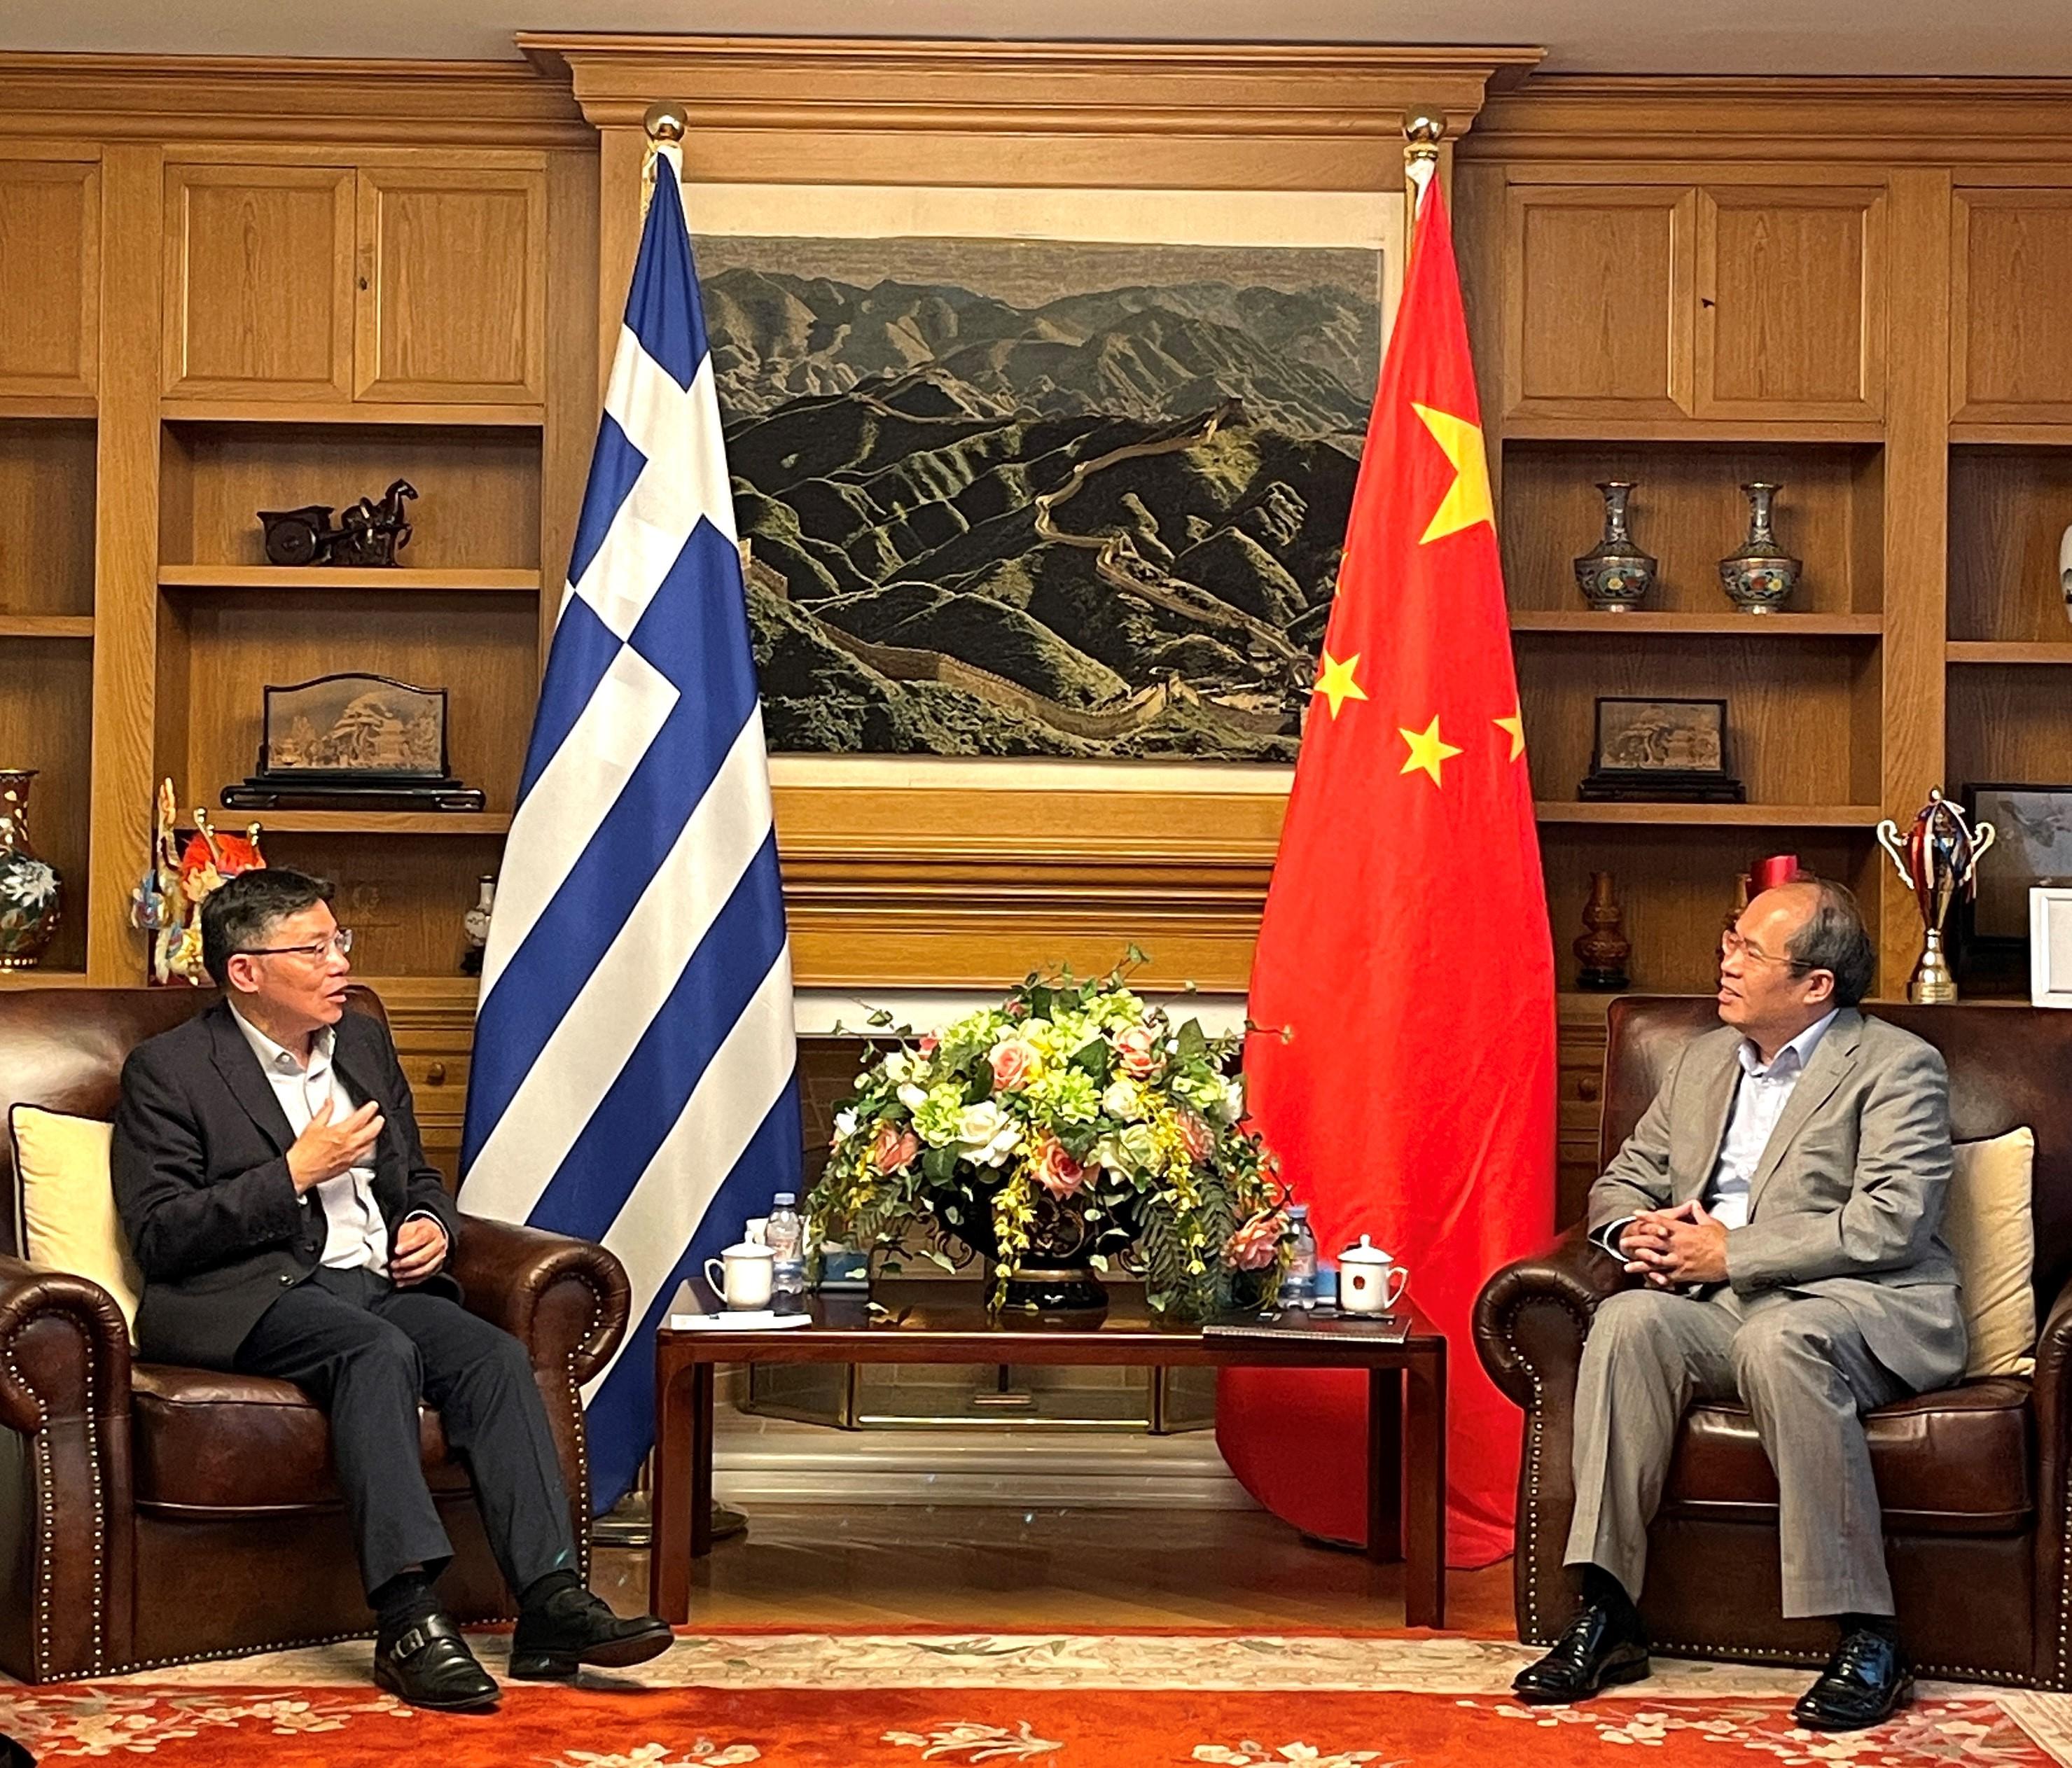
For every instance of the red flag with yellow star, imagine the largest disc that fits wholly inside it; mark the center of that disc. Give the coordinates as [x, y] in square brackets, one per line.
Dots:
[1403, 987]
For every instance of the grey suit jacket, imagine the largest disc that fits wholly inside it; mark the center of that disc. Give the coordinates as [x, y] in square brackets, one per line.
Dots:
[1848, 1198]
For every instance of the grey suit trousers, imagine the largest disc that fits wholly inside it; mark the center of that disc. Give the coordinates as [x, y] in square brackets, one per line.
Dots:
[1800, 1365]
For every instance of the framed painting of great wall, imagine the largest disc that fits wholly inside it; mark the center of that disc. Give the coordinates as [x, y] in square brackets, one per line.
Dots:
[1062, 476]
[1146, 284]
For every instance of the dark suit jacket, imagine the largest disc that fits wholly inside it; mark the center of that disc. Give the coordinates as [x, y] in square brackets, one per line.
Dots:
[201, 1179]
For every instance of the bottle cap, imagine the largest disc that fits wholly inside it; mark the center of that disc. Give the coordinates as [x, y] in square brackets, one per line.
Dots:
[784, 1200]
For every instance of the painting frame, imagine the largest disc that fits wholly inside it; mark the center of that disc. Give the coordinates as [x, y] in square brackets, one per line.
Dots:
[2003, 927]
[903, 871]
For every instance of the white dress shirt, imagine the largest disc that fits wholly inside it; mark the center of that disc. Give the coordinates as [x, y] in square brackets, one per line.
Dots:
[1764, 1090]
[356, 1235]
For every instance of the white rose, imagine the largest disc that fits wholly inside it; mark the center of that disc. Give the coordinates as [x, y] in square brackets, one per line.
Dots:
[1231, 1107]
[986, 1135]
[1121, 1099]
[898, 1065]
[912, 1096]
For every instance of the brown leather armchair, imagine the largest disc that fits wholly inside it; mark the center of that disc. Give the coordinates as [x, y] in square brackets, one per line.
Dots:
[152, 1515]
[1973, 1478]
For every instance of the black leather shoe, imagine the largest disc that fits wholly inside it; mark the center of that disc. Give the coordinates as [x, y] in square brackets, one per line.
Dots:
[1865, 1683]
[1598, 1646]
[572, 1627]
[430, 1665]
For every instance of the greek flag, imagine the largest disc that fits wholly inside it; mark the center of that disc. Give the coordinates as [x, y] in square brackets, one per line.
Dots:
[634, 1069]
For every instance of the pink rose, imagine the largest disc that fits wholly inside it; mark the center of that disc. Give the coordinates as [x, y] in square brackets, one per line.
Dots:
[1056, 1171]
[1012, 1060]
[1137, 1051]
[929, 1044]
[1257, 1244]
[1195, 1132]
[892, 1147]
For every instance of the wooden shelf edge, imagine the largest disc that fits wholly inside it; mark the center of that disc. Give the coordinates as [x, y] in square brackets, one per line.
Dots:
[368, 822]
[313, 411]
[1864, 817]
[295, 576]
[2045, 651]
[46, 626]
[1613, 432]
[1643, 621]
[71, 407]
[2012, 435]
[43, 979]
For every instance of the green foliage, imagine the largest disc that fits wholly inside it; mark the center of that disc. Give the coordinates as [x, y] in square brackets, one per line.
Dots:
[1071, 1114]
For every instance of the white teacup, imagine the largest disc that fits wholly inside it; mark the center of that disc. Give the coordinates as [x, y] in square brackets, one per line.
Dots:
[1370, 1281]
[741, 1275]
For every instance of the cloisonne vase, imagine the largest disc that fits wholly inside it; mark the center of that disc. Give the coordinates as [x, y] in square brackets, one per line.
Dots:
[29, 887]
[1759, 575]
[1614, 574]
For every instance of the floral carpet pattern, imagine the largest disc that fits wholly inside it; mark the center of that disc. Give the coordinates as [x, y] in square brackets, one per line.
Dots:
[1061, 1701]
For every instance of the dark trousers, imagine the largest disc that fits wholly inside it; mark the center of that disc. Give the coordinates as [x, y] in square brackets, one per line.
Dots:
[367, 1353]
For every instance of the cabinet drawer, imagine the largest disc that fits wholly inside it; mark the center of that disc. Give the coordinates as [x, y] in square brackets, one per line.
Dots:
[438, 1081]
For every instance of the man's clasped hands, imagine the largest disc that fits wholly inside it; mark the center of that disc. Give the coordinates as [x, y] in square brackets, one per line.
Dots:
[1670, 1247]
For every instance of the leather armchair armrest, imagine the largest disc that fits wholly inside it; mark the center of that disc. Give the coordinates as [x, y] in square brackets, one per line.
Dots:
[565, 1300]
[2051, 1391]
[64, 1351]
[67, 1576]
[2053, 1361]
[1531, 1317]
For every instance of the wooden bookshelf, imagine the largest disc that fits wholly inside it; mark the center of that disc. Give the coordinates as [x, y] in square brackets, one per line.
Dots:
[2018, 653]
[1779, 816]
[1641, 623]
[316, 579]
[46, 626]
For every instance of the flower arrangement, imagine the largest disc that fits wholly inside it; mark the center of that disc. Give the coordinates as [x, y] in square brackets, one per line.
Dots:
[1074, 1125]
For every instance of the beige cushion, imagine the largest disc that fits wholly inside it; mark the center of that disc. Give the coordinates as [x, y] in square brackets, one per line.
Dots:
[69, 1218]
[1988, 1231]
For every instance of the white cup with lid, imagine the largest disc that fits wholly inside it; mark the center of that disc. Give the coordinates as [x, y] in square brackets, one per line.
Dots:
[1369, 1281]
[742, 1275]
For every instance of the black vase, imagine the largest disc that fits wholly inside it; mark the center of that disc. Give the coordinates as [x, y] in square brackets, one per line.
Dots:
[1056, 1274]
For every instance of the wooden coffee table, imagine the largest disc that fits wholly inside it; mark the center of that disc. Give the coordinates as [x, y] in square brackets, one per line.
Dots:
[936, 1322]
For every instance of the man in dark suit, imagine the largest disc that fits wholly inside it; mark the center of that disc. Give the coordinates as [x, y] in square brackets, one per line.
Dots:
[270, 1177]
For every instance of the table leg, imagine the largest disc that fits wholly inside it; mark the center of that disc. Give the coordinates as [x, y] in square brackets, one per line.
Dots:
[1425, 1474]
[680, 1504]
[1384, 1464]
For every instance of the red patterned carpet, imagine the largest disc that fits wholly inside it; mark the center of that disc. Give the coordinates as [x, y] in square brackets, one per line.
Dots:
[876, 1700]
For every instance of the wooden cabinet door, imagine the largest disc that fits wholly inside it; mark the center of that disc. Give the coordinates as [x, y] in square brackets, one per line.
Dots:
[1791, 302]
[1598, 319]
[50, 276]
[2011, 307]
[452, 282]
[259, 282]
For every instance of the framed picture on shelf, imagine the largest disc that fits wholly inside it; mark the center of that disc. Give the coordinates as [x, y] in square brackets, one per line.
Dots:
[1661, 751]
[2034, 827]
[2050, 948]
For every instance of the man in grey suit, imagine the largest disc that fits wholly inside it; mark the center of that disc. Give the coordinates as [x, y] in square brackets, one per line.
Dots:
[1779, 1201]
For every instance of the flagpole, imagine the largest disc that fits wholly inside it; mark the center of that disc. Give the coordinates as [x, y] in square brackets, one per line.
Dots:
[1422, 133]
[665, 123]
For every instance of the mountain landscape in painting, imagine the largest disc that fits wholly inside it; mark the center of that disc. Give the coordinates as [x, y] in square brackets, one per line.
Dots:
[1063, 499]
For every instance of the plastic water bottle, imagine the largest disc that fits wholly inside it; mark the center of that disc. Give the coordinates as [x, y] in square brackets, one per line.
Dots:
[1298, 1282]
[786, 1237]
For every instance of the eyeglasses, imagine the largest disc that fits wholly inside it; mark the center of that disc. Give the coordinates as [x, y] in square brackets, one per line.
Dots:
[1733, 945]
[340, 942]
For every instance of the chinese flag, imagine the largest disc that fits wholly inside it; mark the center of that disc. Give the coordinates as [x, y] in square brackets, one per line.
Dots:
[1403, 988]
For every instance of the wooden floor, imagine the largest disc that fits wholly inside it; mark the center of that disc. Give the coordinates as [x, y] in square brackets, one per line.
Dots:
[1008, 1570]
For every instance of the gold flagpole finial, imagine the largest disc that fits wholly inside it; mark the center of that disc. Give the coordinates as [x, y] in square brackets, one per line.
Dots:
[665, 123]
[1423, 130]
